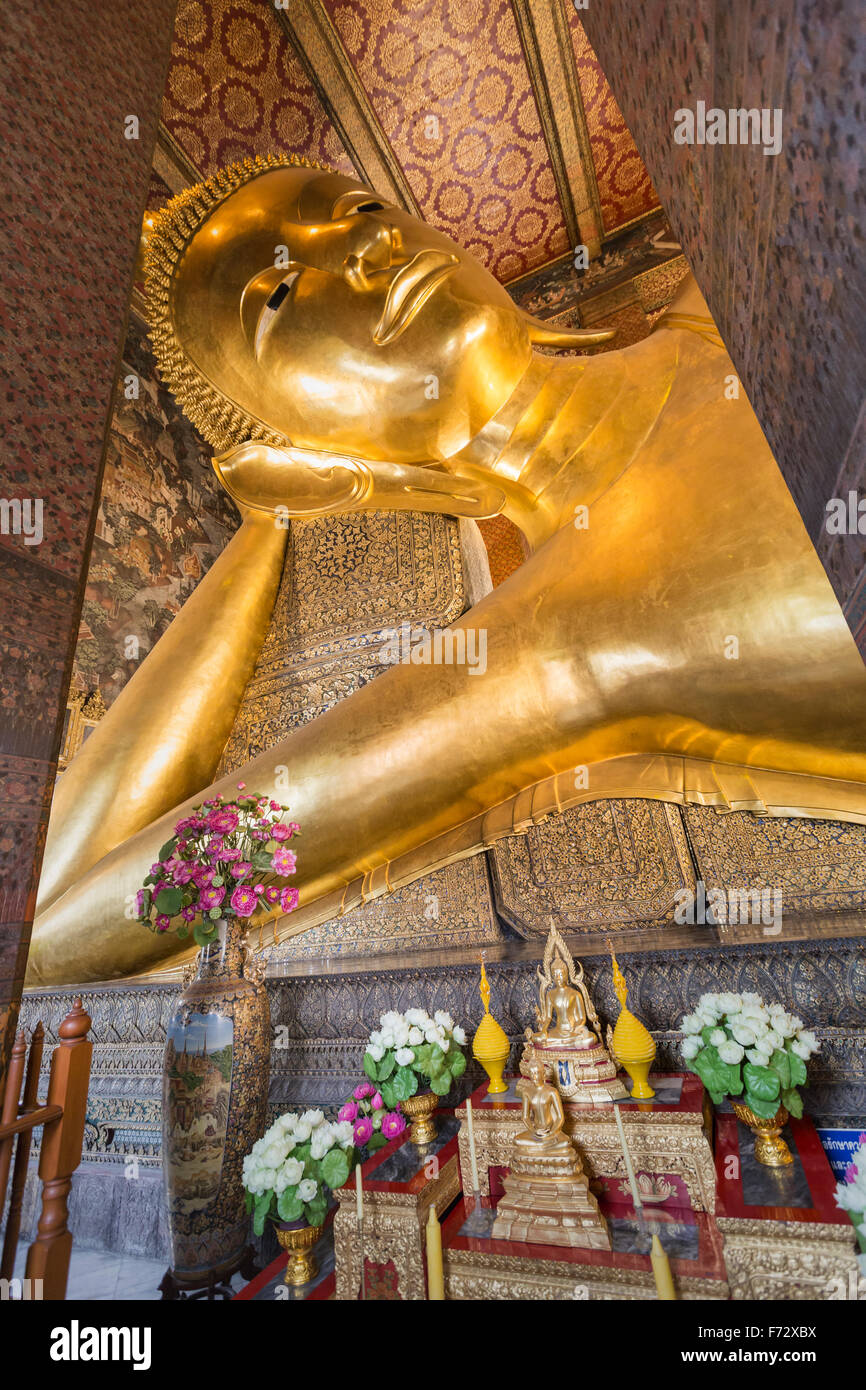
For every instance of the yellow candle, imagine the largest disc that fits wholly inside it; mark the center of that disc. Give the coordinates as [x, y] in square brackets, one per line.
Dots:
[473, 1161]
[359, 1194]
[435, 1274]
[662, 1271]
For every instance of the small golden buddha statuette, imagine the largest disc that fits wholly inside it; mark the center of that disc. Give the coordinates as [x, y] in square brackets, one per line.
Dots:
[547, 1200]
[568, 1034]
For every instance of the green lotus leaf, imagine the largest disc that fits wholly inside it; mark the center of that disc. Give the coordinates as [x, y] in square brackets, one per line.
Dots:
[761, 1082]
[289, 1205]
[335, 1168]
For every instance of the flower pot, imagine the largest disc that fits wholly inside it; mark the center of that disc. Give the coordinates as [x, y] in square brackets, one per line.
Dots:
[298, 1239]
[215, 1077]
[770, 1147]
[418, 1110]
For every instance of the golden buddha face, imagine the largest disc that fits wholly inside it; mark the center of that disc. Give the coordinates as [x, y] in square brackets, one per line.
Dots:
[558, 973]
[344, 323]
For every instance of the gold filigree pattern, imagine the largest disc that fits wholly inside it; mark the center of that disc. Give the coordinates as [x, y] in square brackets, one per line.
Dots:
[347, 580]
[788, 1260]
[481, 1275]
[818, 866]
[615, 865]
[393, 1233]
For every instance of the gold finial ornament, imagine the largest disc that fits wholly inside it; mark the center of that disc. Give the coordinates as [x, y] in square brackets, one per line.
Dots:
[630, 1043]
[490, 1046]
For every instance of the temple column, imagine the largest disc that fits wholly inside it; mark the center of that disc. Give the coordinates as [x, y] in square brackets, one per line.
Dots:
[80, 105]
[771, 237]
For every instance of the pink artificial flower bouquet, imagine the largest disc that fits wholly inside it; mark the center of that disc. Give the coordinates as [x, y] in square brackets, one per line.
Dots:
[373, 1124]
[220, 863]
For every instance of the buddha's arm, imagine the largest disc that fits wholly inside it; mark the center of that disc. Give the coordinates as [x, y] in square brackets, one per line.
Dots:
[608, 642]
[162, 738]
[303, 483]
[545, 1013]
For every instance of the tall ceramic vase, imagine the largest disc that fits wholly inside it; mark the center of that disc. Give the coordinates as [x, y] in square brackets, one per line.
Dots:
[214, 1099]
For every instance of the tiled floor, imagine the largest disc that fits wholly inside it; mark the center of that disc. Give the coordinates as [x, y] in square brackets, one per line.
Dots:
[98, 1275]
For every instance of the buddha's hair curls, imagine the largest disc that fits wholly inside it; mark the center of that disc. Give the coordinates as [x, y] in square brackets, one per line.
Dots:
[166, 237]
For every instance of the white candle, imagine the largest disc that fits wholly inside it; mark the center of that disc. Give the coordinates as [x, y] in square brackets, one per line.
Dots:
[473, 1161]
[359, 1194]
[632, 1181]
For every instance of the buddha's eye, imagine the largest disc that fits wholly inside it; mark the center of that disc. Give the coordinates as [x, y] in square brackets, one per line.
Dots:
[369, 207]
[272, 305]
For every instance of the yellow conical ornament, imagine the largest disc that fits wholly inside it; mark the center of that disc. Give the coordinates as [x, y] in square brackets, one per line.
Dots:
[490, 1046]
[631, 1043]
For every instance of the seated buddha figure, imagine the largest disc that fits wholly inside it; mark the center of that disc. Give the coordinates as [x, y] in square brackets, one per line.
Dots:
[672, 632]
[567, 1004]
[542, 1137]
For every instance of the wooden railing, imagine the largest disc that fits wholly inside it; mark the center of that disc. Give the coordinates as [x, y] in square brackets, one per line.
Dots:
[62, 1117]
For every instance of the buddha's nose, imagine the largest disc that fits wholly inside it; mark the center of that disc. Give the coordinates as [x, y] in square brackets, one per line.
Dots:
[375, 251]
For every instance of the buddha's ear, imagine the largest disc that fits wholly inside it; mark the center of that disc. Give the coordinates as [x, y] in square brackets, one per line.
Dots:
[543, 334]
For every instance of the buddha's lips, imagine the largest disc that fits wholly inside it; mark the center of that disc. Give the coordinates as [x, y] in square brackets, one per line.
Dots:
[409, 289]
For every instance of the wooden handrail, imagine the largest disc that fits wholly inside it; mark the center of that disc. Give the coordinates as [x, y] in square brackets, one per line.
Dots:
[63, 1118]
[31, 1119]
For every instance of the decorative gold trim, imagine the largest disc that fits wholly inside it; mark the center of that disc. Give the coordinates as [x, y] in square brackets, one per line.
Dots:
[549, 54]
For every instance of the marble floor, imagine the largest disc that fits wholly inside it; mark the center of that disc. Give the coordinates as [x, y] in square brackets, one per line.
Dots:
[100, 1276]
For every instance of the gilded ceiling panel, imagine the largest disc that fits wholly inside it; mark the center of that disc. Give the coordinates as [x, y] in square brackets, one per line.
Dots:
[624, 186]
[235, 87]
[449, 85]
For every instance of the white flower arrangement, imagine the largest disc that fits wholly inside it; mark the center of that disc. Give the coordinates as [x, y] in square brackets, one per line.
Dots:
[412, 1049]
[288, 1170]
[742, 1047]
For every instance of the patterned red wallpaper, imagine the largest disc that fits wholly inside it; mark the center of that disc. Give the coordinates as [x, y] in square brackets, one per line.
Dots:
[449, 84]
[236, 87]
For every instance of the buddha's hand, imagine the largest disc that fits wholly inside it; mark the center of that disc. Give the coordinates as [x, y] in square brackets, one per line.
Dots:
[293, 482]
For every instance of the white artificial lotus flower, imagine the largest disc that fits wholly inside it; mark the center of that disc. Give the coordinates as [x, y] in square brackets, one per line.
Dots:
[343, 1133]
[312, 1117]
[773, 1039]
[691, 1024]
[718, 1036]
[404, 1056]
[416, 1037]
[302, 1132]
[758, 1059]
[321, 1141]
[443, 1042]
[401, 1035]
[731, 1052]
[388, 1039]
[293, 1169]
[443, 1019]
[691, 1047]
[743, 1035]
[308, 1189]
[377, 1052]
[417, 1018]
[458, 1035]
[808, 1039]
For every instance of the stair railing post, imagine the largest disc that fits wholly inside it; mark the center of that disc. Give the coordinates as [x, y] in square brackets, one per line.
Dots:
[48, 1256]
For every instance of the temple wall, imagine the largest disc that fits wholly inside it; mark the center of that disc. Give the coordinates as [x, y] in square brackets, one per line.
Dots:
[74, 189]
[775, 242]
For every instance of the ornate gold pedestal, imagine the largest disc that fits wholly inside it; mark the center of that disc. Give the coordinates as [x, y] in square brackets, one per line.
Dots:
[770, 1147]
[298, 1244]
[551, 1211]
[586, 1076]
[419, 1111]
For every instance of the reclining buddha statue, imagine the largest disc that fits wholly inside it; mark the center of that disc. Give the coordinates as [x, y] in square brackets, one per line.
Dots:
[672, 634]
